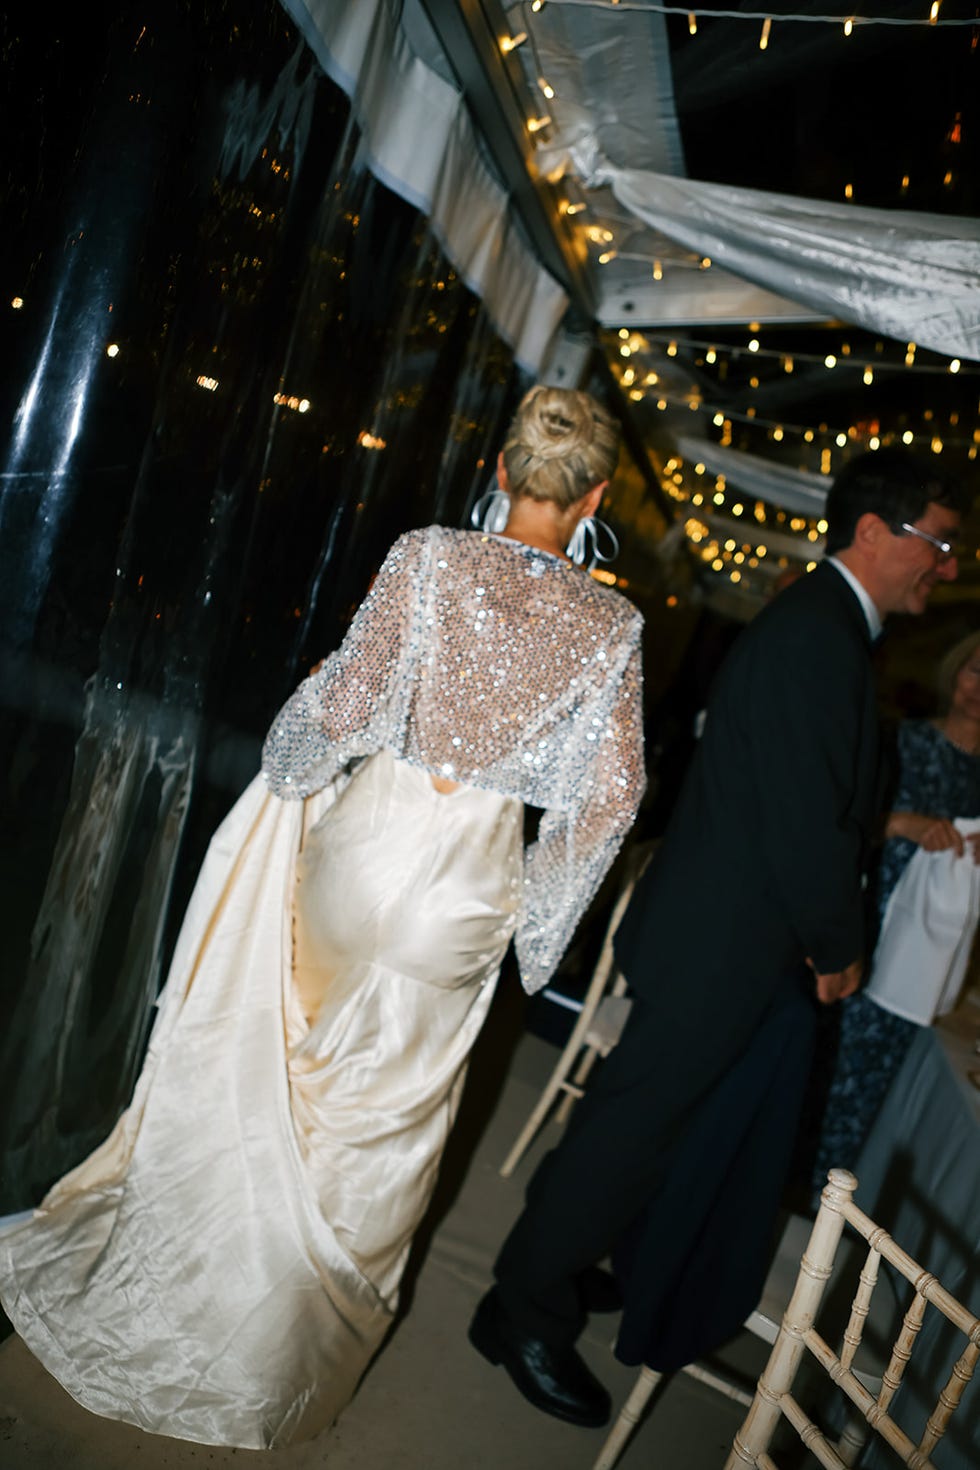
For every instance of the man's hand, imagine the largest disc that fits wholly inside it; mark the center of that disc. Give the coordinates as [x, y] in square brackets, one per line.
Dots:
[838, 984]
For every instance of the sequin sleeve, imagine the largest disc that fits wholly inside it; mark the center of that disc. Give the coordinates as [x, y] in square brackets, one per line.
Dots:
[576, 846]
[357, 702]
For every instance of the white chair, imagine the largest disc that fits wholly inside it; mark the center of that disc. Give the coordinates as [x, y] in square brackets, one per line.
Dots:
[763, 1323]
[598, 1028]
[773, 1398]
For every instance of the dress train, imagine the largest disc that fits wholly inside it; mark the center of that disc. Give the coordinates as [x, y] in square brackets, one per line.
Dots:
[225, 1265]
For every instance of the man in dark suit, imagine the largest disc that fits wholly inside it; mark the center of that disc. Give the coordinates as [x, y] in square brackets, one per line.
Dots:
[750, 914]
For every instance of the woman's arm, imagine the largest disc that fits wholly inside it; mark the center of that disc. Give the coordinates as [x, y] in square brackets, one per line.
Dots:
[575, 848]
[350, 706]
[934, 834]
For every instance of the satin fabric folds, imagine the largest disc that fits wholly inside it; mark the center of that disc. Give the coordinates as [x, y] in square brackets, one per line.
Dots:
[224, 1266]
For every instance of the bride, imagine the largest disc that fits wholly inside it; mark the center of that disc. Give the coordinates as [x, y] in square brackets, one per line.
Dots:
[224, 1266]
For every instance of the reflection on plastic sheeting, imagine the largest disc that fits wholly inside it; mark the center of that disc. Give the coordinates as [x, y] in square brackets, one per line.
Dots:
[179, 540]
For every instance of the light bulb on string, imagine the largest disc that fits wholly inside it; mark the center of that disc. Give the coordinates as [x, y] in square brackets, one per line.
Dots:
[955, 365]
[869, 376]
[511, 43]
[658, 271]
[934, 12]
[764, 38]
[546, 88]
[848, 25]
[692, 23]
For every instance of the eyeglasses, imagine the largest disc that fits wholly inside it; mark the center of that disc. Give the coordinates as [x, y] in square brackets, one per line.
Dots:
[945, 548]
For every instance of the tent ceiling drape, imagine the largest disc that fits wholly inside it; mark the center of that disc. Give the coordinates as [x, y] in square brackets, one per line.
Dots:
[589, 89]
[420, 141]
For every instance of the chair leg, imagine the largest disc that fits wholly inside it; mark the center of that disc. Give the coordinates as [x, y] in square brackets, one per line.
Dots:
[538, 1115]
[629, 1416]
[556, 1082]
[853, 1437]
[719, 1383]
[578, 1080]
[576, 1040]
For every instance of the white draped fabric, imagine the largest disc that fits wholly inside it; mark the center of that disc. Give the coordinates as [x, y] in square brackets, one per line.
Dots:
[914, 277]
[927, 933]
[421, 144]
[760, 479]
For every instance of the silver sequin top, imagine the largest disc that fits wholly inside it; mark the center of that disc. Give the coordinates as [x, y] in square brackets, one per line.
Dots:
[500, 666]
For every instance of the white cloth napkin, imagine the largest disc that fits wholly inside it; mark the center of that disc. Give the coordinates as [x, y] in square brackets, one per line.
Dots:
[927, 933]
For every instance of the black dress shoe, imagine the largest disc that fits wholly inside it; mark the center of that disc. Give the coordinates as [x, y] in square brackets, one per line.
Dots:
[554, 1379]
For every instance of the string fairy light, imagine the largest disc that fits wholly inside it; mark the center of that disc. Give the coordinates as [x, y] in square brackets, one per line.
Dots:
[779, 429]
[790, 360]
[931, 20]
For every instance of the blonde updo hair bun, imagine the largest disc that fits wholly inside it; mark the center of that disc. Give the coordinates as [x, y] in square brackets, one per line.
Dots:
[561, 444]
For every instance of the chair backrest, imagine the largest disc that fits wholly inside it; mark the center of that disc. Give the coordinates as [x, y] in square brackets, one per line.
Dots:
[774, 1399]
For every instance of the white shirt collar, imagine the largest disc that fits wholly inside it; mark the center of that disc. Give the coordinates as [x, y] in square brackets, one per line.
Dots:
[871, 613]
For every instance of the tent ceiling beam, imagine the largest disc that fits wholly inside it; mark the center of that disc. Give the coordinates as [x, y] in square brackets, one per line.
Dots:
[493, 85]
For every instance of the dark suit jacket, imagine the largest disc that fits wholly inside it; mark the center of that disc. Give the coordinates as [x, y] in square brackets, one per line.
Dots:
[761, 865]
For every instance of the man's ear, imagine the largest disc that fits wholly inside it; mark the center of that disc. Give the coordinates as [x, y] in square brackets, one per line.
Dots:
[869, 532]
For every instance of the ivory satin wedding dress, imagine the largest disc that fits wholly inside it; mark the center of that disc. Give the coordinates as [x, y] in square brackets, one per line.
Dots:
[225, 1265]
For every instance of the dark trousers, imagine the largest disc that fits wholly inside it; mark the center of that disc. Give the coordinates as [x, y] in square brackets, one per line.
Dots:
[654, 1170]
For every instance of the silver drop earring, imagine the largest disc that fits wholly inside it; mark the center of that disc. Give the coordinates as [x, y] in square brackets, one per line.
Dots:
[492, 511]
[585, 543]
